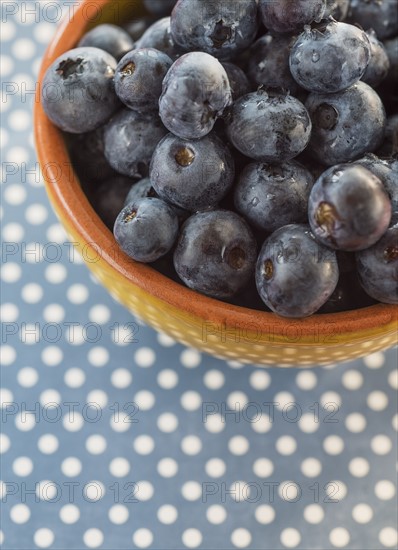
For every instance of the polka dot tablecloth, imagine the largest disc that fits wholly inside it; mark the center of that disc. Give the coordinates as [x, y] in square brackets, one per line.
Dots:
[117, 437]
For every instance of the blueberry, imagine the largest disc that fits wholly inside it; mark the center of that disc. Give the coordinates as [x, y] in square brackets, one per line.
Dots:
[114, 40]
[273, 195]
[287, 16]
[146, 229]
[380, 15]
[158, 36]
[347, 296]
[349, 209]
[388, 175]
[379, 64]
[215, 253]
[268, 64]
[139, 76]
[130, 140]
[346, 125]
[159, 7]
[337, 9]
[238, 80]
[196, 91]
[108, 197]
[295, 274]
[222, 29]
[329, 57]
[389, 146]
[391, 47]
[378, 268]
[269, 127]
[192, 174]
[77, 91]
[136, 27]
[88, 157]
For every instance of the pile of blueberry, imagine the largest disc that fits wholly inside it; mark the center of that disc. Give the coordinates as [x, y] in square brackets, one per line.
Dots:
[240, 146]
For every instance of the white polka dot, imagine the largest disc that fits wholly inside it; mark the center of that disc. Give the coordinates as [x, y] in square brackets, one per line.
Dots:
[214, 379]
[306, 380]
[167, 467]
[355, 422]
[191, 445]
[121, 421]
[6, 397]
[145, 490]
[191, 490]
[55, 273]
[381, 444]
[47, 490]
[13, 232]
[32, 293]
[282, 399]
[260, 380]
[145, 357]
[192, 538]
[311, 467]
[377, 400]
[50, 398]
[167, 514]
[388, 537]
[56, 234]
[235, 364]
[19, 120]
[336, 490]
[374, 360]
[48, 444]
[237, 400]
[289, 491]
[98, 397]
[145, 400]
[290, 538]
[98, 356]
[385, 489]
[167, 379]
[261, 424]
[238, 445]
[8, 30]
[143, 538]
[71, 466]
[214, 423]
[6, 65]
[263, 467]
[25, 421]
[77, 294]
[23, 48]
[241, 538]
[358, 467]
[36, 214]
[215, 467]
[27, 377]
[43, 537]
[118, 514]
[22, 466]
[314, 514]
[5, 443]
[362, 513]
[333, 445]
[330, 400]
[308, 423]
[144, 444]
[7, 355]
[264, 514]
[191, 400]
[93, 538]
[8, 313]
[44, 31]
[15, 194]
[69, 514]
[99, 314]
[121, 378]
[74, 378]
[52, 356]
[190, 358]
[394, 422]
[167, 422]
[10, 272]
[93, 491]
[119, 467]
[339, 537]
[96, 444]
[352, 380]
[165, 340]
[54, 313]
[73, 421]
[216, 514]
[286, 445]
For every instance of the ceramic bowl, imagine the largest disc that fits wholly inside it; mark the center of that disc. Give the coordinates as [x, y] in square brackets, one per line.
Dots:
[223, 330]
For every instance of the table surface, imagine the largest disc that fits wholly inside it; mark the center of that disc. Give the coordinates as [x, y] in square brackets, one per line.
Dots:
[117, 437]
